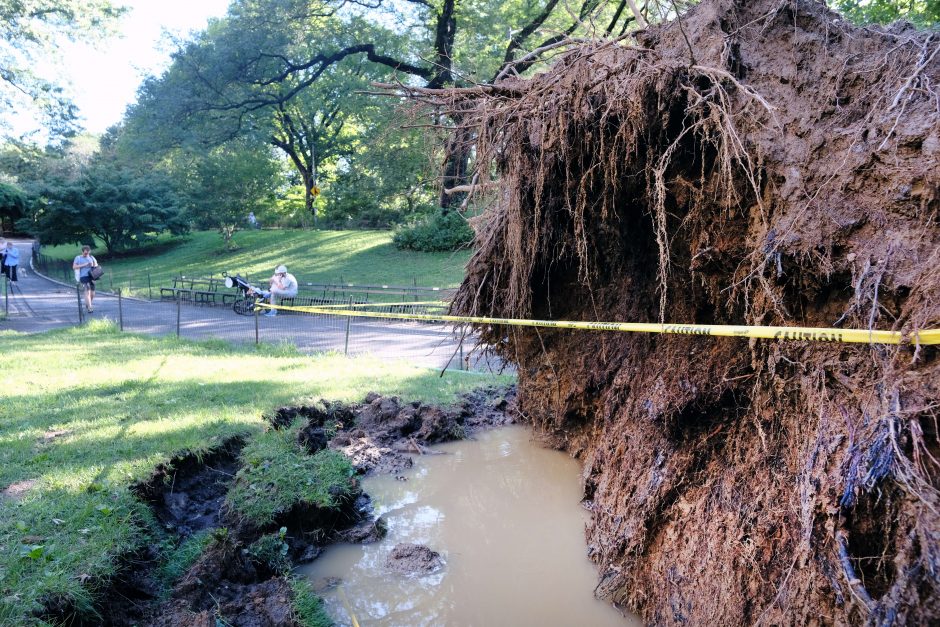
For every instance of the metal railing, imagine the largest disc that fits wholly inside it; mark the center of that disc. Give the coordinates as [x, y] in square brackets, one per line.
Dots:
[420, 342]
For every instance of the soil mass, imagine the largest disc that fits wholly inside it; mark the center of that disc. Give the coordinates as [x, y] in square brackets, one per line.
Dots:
[754, 162]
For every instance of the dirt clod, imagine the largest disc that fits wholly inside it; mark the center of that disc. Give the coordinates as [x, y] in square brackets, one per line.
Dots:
[413, 559]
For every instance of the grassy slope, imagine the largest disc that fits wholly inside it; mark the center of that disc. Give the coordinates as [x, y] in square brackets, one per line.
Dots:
[86, 412]
[359, 257]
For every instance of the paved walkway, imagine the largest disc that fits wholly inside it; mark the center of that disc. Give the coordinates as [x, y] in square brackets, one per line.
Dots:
[36, 304]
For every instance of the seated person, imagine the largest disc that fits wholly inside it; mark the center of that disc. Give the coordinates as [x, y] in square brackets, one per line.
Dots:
[283, 285]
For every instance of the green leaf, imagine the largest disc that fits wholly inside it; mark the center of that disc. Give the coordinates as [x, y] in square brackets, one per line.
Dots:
[32, 551]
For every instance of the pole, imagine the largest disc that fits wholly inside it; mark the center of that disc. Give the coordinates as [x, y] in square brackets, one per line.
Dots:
[120, 309]
[149, 288]
[6, 295]
[461, 366]
[348, 321]
[178, 300]
[257, 331]
[78, 294]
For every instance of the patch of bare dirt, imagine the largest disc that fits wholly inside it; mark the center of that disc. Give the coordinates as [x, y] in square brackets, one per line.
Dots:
[389, 433]
[187, 494]
[226, 584]
[15, 491]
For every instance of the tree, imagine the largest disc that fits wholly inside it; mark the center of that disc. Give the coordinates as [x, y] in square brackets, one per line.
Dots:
[219, 187]
[29, 28]
[440, 32]
[13, 205]
[268, 54]
[921, 12]
[187, 106]
[121, 207]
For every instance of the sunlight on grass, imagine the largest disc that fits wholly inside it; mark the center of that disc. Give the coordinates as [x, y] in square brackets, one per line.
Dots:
[359, 257]
[90, 411]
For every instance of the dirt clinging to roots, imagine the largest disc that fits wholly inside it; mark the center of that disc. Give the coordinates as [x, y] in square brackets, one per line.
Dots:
[759, 162]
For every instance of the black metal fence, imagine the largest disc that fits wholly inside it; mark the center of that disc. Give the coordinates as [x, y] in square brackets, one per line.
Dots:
[192, 308]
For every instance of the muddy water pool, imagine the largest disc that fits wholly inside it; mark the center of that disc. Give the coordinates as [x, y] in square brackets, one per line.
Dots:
[504, 514]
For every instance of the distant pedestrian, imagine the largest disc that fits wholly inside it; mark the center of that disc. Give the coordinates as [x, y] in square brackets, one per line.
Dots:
[252, 220]
[11, 261]
[3, 256]
[82, 266]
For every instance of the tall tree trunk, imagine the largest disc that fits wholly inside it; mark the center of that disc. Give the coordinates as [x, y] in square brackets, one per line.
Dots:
[308, 201]
[456, 166]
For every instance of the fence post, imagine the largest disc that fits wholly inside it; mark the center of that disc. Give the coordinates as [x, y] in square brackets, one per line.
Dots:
[461, 366]
[178, 301]
[257, 332]
[78, 294]
[348, 321]
[120, 309]
[149, 289]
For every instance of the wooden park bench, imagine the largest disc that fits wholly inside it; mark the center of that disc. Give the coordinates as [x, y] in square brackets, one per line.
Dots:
[199, 291]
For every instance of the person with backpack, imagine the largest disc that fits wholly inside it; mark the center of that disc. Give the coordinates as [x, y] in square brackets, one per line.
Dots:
[82, 266]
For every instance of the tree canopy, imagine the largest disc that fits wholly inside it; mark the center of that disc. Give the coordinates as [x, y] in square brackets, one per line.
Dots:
[30, 29]
[296, 73]
[922, 12]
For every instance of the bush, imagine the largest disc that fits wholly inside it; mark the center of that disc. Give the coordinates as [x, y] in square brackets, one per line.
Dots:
[445, 230]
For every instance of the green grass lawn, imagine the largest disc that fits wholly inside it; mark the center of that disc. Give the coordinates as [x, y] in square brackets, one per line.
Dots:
[89, 411]
[358, 257]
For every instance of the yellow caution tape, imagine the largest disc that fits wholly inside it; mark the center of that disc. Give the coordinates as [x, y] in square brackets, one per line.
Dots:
[352, 615]
[423, 303]
[806, 334]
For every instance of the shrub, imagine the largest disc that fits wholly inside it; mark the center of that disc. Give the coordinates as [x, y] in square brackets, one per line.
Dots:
[270, 550]
[445, 230]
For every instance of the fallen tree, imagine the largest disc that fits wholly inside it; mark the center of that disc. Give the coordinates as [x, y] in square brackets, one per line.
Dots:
[755, 162]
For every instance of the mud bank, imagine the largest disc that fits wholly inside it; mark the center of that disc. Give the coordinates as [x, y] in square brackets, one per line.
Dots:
[241, 575]
[759, 162]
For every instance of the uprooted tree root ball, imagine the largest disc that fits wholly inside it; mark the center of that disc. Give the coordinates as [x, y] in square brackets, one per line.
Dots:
[759, 162]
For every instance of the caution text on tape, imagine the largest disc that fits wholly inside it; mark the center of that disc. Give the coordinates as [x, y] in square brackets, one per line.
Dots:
[807, 334]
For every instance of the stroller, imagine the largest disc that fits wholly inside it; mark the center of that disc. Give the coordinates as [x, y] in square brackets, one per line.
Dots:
[244, 304]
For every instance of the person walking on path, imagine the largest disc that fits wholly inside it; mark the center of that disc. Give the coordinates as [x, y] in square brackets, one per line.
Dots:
[82, 266]
[283, 285]
[11, 261]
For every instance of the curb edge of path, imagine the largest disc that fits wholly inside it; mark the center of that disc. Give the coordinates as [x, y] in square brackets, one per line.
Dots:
[70, 286]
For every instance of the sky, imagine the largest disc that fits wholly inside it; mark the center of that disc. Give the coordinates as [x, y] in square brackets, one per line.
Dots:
[104, 78]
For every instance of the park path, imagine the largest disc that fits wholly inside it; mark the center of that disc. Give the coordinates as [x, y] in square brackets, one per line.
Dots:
[37, 303]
